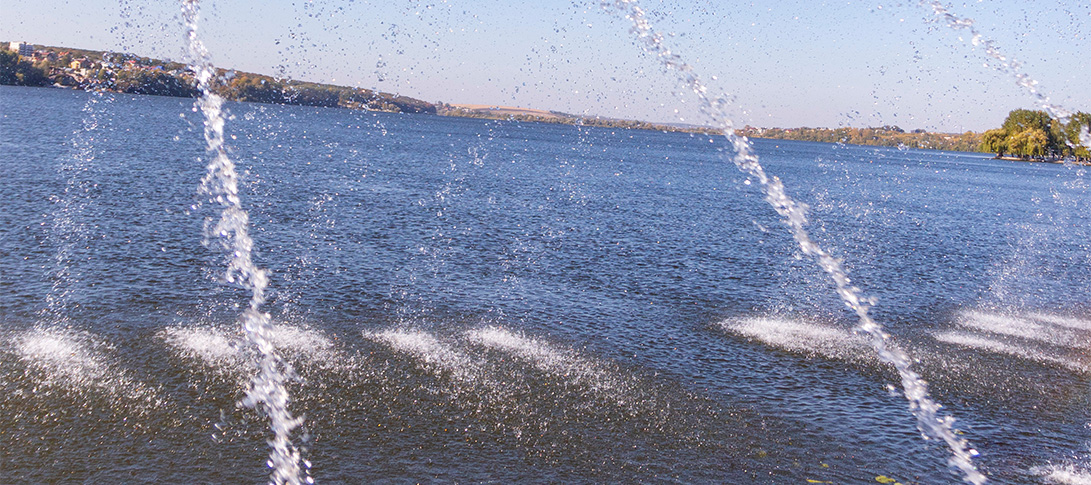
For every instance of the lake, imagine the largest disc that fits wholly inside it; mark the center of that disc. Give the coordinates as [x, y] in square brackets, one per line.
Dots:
[492, 301]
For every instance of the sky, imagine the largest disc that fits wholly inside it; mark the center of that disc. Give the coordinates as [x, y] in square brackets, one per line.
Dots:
[785, 63]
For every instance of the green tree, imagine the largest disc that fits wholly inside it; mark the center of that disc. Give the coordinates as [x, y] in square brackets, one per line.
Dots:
[1024, 119]
[995, 141]
[18, 71]
[1028, 133]
[1032, 142]
[9, 62]
[1079, 126]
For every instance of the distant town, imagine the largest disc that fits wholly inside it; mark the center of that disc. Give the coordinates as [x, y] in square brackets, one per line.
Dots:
[1026, 135]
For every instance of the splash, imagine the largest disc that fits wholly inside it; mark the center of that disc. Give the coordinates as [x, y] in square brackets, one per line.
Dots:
[68, 231]
[430, 351]
[1063, 475]
[550, 359]
[989, 344]
[78, 361]
[212, 346]
[794, 336]
[929, 420]
[228, 351]
[267, 389]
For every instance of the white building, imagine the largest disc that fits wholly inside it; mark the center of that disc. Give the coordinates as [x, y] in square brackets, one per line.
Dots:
[21, 48]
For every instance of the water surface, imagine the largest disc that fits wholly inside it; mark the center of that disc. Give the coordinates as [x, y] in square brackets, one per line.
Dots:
[490, 301]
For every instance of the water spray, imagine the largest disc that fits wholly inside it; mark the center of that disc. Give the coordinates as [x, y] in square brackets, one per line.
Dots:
[931, 423]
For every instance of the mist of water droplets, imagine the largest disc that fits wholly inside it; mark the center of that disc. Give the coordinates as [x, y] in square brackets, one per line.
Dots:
[929, 419]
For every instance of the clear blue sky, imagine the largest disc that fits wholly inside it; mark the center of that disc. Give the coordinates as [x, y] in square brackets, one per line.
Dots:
[788, 63]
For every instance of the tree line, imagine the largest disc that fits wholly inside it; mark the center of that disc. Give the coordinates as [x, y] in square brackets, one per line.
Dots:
[887, 136]
[560, 118]
[1035, 135]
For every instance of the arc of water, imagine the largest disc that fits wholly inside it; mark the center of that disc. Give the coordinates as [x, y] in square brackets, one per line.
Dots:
[929, 419]
[267, 389]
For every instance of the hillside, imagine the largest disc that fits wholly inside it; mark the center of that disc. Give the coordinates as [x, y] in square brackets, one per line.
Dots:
[129, 73]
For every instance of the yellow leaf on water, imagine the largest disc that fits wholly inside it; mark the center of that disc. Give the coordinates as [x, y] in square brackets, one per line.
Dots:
[816, 481]
[885, 479]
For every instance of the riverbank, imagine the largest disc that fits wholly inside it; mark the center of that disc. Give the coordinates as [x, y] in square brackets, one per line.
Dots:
[132, 74]
[1062, 161]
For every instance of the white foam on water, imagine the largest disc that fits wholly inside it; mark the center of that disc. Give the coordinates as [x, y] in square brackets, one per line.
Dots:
[541, 355]
[301, 340]
[619, 389]
[210, 345]
[216, 347]
[64, 355]
[980, 342]
[1062, 321]
[306, 345]
[75, 361]
[795, 336]
[429, 350]
[1022, 327]
[1003, 324]
[1064, 475]
[567, 364]
[552, 360]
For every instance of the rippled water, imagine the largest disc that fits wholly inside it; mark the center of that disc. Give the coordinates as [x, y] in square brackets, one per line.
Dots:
[469, 300]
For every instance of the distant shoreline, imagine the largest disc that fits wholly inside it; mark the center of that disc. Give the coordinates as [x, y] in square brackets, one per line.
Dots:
[1058, 161]
[127, 73]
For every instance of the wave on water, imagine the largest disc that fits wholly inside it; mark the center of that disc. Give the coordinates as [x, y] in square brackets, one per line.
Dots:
[809, 338]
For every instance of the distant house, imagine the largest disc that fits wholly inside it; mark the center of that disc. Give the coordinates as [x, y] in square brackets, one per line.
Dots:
[21, 48]
[45, 56]
[81, 63]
